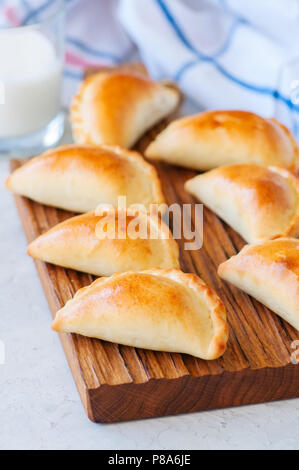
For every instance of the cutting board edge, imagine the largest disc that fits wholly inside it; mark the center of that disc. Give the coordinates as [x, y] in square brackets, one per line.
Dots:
[169, 397]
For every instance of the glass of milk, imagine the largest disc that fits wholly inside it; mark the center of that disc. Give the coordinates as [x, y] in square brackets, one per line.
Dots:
[287, 107]
[31, 65]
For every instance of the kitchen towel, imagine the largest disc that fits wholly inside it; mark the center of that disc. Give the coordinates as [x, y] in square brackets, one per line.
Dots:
[223, 53]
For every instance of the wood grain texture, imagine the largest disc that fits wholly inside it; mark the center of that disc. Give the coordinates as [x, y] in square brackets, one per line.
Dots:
[118, 383]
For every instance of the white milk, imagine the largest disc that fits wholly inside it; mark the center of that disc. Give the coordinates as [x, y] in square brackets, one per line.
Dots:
[30, 74]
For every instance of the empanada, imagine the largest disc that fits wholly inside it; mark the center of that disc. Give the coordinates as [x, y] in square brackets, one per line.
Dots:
[78, 178]
[163, 310]
[118, 107]
[216, 138]
[115, 241]
[269, 272]
[258, 202]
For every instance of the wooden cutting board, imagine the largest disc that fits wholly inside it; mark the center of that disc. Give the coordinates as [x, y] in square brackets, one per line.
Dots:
[118, 383]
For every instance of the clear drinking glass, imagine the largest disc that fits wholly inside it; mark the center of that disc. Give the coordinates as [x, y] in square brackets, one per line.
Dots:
[287, 105]
[31, 67]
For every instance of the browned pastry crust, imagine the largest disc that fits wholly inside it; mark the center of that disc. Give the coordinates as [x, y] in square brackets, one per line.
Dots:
[214, 138]
[86, 243]
[116, 107]
[258, 202]
[164, 310]
[269, 272]
[79, 177]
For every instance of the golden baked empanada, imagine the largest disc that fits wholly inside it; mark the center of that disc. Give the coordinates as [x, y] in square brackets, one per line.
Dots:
[163, 310]
[78, 178]
[214, 138]
[108, 243]
[258, 202]
[269, 272]
[117, 107]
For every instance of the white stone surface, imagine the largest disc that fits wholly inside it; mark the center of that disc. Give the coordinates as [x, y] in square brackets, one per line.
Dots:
[39, 404]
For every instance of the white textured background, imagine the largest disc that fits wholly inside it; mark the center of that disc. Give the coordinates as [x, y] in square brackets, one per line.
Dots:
[39, 404]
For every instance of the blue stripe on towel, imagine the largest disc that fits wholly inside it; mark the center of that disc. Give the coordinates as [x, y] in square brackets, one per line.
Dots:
[203, 57]
[73, 75]
[26, 4]
[176, 27]
[32, 14]
[230, 36]
[89, 50]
